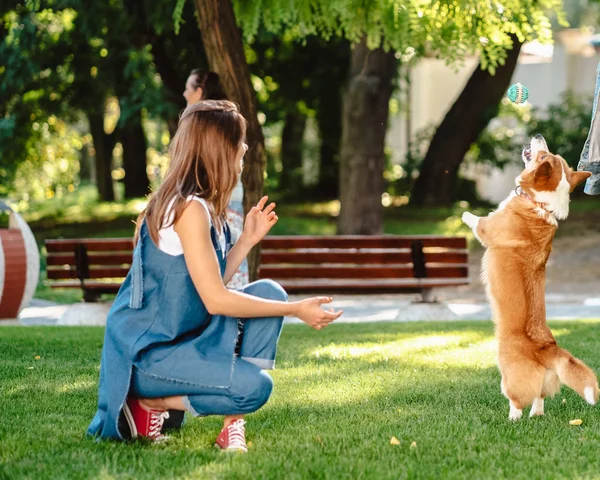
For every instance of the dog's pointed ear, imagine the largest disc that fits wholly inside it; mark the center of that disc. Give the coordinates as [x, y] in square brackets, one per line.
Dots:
[543, 170]
[578, 177]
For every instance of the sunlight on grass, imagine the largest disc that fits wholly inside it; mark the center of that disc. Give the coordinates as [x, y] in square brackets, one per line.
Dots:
[398, 349]
[75, 386]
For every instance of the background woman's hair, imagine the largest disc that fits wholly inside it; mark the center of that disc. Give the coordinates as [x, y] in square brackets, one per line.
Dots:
[203, 154]
[210, 83]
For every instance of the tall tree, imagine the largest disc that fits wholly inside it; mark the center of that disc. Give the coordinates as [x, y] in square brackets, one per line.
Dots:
[366, 108]
[447, 30]
[224, 49]
[477, 104]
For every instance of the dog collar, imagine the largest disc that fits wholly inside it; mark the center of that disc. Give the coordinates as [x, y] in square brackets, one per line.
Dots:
[520, 192]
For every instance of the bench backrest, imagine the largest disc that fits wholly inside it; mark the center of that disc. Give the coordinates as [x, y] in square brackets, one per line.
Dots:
[364, 257]
[287, 258]
[88, 258]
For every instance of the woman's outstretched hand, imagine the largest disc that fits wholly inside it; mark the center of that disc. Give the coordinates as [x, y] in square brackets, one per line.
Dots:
[311, 313]
[259, 221]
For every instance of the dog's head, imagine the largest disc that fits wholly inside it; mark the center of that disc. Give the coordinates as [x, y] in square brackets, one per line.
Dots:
[547, 178]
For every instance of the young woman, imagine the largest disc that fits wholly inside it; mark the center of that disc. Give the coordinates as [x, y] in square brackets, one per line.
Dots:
[206, 85]
[172, 336]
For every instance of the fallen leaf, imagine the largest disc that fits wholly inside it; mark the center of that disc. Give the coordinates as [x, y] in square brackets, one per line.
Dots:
[29, 368]
[394, 441]
[564, 400]
[319, 440]
[249, 444]
[413, 445]
[37, 357]
[577, 421]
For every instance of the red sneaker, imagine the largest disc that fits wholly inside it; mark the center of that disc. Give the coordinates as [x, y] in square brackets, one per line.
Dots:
[144, 422]
[233, 437]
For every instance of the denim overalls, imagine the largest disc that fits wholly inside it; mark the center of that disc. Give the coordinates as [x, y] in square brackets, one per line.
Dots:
[590, 156]
[161, 341]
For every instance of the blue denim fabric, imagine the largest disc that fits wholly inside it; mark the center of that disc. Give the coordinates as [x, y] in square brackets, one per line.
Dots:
[248, 386]
[590, 156]
[159, 324]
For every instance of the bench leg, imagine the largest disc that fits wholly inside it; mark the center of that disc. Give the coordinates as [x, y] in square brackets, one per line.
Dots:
[90, 297]
[427, 296]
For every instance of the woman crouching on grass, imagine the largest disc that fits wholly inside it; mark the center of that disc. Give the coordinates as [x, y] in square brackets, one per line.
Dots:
[176, 338]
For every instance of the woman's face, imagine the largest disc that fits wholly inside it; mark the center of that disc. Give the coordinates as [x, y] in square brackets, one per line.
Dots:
[192, 94]
[239, 164]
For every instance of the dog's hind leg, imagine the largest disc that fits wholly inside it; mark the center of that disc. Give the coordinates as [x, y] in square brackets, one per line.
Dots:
[523, 385]
[537, 408]
[550, 388]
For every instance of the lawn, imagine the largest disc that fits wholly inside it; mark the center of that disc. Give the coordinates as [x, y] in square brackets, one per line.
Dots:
[340, 396]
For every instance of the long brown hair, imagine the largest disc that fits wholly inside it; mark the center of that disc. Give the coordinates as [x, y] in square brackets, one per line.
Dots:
[203, 163]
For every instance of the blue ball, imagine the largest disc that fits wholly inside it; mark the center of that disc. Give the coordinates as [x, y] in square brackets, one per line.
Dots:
[517, 93]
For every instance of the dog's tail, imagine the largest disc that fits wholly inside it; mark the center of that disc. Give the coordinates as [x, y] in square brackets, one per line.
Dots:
[572, 372]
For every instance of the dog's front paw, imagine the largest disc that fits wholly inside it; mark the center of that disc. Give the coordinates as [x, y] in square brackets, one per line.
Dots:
[470, 220]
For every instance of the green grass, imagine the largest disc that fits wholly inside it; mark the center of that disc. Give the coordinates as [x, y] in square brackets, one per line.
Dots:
[340, 395]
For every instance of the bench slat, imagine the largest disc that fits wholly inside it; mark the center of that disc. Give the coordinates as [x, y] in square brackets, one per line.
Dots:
[91, 244]
[277, 272]
[98, 287]
[379, 285]
[360, 241]
[269, 257]
[60, 259]
[99, 272]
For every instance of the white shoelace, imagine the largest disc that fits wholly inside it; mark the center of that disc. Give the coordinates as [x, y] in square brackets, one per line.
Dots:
[156, 422]
[237, 435]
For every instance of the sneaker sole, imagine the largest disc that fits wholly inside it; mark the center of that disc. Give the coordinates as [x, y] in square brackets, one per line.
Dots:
[130, 421]
[230, 449]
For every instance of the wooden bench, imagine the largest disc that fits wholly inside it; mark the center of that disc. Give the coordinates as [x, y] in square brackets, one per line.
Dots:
[96, 266]
[365, 263]
[301, 264]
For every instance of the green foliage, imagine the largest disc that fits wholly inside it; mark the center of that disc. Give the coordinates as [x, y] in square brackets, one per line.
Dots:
[449, 29]
[565, 125]
[52, 164]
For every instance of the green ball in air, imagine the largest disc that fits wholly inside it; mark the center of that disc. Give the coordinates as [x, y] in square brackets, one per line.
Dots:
[517, 93]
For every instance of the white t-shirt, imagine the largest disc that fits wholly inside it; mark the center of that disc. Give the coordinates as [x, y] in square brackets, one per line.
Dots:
[168, 240]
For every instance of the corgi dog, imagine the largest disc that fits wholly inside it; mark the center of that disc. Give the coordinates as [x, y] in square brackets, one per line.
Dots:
[518, 240]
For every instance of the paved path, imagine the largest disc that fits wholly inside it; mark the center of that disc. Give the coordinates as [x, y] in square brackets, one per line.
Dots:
[357, 308]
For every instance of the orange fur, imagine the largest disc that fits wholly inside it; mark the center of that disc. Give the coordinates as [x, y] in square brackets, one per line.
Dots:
[518, 240]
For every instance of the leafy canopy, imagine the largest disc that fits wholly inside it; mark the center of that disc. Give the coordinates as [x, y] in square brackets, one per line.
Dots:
[448, 29]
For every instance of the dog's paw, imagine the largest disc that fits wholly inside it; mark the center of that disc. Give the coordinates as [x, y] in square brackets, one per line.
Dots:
[470, 220]
[515, 413]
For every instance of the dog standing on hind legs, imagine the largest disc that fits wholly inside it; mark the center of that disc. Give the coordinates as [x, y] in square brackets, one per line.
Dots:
[518, 240]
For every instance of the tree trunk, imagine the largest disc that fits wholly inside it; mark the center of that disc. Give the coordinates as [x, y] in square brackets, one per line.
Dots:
[467, 118]
[103, 145]
[134, 157]
[224, 49]
[291, 151]
[329, 119]
[364, 124]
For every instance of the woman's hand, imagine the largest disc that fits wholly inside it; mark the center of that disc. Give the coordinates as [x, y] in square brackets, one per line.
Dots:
[259, 221]
[311, 313]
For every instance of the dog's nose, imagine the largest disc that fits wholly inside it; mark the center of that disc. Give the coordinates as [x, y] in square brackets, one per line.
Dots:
[539, 137]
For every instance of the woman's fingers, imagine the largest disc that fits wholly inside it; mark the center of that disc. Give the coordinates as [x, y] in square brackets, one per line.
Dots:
[262, 202]
[270, 207]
